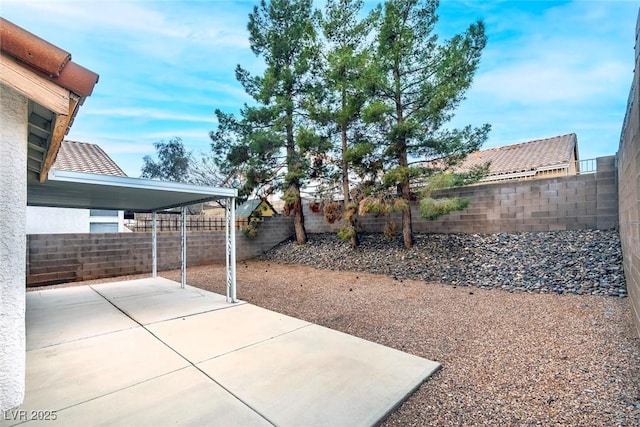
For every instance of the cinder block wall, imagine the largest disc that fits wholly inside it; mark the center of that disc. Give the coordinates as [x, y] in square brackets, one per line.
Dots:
[587, 201]
[575, 202]
[629, 178]
[272, 231]
[57, 258]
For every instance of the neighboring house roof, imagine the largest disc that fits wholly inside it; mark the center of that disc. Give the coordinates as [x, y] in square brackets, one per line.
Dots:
[84, 157]
[532, 156]
[248, 207]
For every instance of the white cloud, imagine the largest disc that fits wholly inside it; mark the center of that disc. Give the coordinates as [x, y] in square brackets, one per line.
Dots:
[549, 81]
[149, 114]
[163, 29]
[550, 70]
[565, 53]
[233, 36]
[115, 15]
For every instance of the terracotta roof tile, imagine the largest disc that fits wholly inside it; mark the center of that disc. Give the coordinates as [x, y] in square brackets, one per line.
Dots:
[84, 157]
[526, 156]
[32, 50]
[49, 60]
[77, 79]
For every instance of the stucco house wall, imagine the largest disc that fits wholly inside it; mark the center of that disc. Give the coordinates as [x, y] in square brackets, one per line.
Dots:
[13, 182]
[44, 220]
[41, 90]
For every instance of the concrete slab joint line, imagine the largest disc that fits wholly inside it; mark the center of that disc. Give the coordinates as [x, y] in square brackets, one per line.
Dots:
[179, 354]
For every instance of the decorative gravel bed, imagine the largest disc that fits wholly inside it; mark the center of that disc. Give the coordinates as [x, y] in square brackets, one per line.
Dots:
[576, 262]
[508, 358]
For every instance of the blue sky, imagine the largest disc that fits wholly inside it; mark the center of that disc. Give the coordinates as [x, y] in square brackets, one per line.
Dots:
[549, 68]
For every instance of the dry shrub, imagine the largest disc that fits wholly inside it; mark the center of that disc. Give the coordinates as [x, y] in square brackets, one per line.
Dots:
[352, 210]
[390, 230]
[315, 206]
[400, 205]
[371, 205]
[332, 212]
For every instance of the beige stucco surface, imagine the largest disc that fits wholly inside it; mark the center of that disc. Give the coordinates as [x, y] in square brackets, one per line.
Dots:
[13, 203]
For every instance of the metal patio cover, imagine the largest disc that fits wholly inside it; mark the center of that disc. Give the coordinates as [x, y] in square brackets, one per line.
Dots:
[65, 189]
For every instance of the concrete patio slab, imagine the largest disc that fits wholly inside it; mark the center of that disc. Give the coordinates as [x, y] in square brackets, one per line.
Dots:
[61, 297]
[69, 374]
[316, 376]
[58, 320]
[204, 336]
[184, 397]
[153, 300]
[135, 288]
[200, 361]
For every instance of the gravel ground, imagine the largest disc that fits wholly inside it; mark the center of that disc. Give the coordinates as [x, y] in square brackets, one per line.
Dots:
[508, 357]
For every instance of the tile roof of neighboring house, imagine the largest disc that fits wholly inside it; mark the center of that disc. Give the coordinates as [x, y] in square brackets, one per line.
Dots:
[248, 207]
[527, 156]
[84, 157]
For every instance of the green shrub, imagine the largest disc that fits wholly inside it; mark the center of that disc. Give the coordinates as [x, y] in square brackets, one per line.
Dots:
[251, 229]
[346, 232]
[432, 209]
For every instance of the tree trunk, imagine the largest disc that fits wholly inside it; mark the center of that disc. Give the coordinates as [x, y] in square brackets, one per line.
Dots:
[345, 168]
[345, 180]
[293, 166]
[298, 217]
[354, 239]
[403, 162]
[407, 230]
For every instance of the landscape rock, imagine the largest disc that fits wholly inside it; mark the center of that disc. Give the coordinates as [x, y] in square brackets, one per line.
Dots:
[562, 262]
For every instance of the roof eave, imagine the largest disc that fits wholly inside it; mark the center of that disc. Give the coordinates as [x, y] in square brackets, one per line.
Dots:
[60, 129]
[44, 74]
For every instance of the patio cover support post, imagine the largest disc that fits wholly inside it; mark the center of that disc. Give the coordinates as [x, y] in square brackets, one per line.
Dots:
[231, 249]
[154, 245]
[183, 247]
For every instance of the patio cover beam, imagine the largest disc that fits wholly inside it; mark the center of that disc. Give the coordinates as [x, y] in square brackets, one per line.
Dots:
[183, 247]
[154, 244]
[230, 248]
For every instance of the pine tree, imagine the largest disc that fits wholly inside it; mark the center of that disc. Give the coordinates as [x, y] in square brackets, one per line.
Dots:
[346, 77]
[273, 143]
[420, 84]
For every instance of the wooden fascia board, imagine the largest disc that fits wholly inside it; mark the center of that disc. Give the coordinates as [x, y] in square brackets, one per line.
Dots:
[33, 86]
[60, 127]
